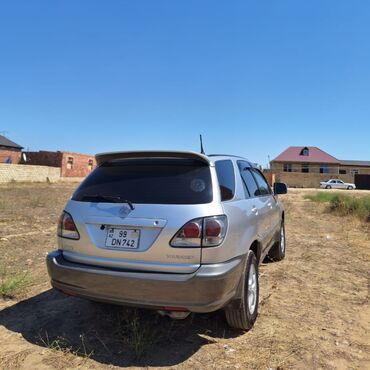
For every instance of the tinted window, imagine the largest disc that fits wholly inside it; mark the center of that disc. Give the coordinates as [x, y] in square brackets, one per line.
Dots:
[150, 181]
[250, 182]
[226, 179]
[263, 186]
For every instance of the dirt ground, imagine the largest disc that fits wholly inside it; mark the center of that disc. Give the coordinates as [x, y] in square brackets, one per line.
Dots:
[314, 305]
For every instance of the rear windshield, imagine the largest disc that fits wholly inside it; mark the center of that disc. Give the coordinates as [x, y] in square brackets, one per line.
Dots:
[148, 181]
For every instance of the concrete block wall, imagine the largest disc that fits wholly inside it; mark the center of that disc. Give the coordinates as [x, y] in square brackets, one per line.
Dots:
[81, 164]
[28, 173]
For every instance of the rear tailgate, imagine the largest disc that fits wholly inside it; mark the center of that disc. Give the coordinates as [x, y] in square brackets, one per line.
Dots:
[165, 194]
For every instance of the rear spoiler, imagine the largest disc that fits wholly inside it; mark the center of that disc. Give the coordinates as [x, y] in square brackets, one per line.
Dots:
[106, 157]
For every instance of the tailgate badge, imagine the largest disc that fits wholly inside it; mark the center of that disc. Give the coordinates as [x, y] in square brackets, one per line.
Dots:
[124, 211]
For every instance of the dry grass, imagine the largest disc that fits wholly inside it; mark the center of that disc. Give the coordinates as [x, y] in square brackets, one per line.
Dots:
[61, 344]
[314, 305]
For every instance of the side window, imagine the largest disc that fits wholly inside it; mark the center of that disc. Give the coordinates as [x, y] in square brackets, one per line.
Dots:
[287, 167]
[250, 182]
[305, 168]
[226, 179]
[90, 164]
[263, 186]
[70, 163]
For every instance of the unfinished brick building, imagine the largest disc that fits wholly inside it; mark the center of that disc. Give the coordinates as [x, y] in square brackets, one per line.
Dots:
[70, 164]
[10, 152]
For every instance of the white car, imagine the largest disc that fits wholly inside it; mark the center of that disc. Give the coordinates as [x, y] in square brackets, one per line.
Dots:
[337, 184]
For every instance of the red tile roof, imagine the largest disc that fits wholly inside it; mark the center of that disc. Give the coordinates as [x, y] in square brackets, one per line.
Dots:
[316, 155]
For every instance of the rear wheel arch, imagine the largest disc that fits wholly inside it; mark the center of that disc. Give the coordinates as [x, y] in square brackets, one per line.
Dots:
[256, 248]
[277, 251]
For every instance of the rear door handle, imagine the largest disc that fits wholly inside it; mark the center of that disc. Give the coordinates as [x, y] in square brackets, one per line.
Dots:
[254, 210]
[269, 204]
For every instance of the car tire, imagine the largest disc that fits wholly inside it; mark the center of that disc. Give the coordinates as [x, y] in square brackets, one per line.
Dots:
[327, 187]
[241, 313]
[350, 188]
[277, 251]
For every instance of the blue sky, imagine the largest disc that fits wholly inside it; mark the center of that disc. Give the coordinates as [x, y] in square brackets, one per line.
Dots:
[252, 76]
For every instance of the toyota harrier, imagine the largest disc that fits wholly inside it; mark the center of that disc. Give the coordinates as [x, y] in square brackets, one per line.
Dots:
[178, 232]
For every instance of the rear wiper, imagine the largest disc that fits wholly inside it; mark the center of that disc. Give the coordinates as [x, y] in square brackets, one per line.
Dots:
[109, 198]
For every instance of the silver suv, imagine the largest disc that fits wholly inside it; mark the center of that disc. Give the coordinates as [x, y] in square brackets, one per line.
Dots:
[178, 232]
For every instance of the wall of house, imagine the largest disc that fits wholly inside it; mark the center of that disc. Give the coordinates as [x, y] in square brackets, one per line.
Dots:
[361, 170]
[277, 167]
[14, 154]
[27, 173]
[312, 179]
[315, 168]
[307, 180]
[79, 166]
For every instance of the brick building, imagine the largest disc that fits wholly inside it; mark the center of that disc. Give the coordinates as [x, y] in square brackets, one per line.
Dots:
[307, 166]
[70, 164]
[10, 152]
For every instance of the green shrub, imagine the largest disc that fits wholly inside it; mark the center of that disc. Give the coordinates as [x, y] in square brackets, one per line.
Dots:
[11, 285]
[343, 204]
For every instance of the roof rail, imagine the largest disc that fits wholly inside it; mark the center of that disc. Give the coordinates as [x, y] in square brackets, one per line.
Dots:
[224, 155]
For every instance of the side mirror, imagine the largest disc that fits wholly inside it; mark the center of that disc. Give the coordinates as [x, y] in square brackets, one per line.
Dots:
[280, 188]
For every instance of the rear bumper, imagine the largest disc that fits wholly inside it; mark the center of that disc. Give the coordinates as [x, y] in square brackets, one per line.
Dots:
[208, 289]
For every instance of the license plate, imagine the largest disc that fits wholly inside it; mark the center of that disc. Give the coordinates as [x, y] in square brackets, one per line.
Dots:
[122, 238]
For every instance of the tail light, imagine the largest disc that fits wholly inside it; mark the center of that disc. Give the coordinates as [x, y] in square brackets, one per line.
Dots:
[201, 232]
[66, 227]
[214, 231]
[190, 235]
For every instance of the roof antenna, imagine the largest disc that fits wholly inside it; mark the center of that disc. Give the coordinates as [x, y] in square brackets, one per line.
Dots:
[201, 145]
